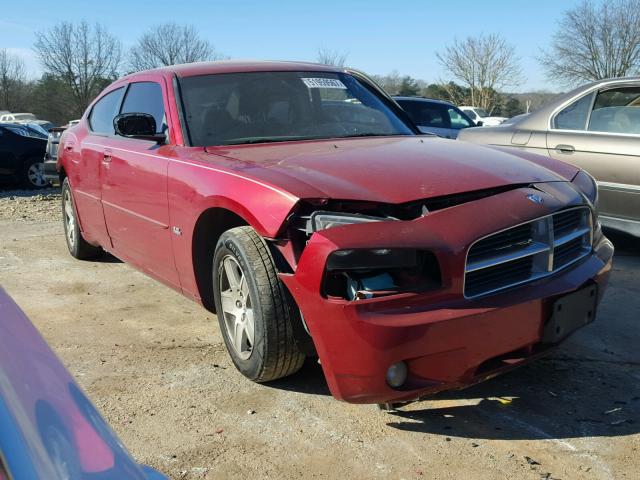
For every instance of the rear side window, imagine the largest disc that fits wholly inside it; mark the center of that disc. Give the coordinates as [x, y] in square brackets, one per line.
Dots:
[616, 111]
[146, 97]
[574, 117]
[104, 111]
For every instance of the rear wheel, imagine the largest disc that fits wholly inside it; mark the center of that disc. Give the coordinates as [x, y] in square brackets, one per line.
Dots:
[33, 174]
[78, 247]
[254, 312]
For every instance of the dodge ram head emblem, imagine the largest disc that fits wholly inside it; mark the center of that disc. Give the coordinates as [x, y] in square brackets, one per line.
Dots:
[535, 198]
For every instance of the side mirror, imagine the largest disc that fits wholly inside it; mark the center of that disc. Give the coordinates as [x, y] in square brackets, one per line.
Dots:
[479, 123]
[137, 125]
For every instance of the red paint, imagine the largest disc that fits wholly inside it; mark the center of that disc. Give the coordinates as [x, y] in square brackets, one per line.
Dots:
[130, 204]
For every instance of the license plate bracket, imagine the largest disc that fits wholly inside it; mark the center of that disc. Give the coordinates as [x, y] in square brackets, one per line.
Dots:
[571, 312]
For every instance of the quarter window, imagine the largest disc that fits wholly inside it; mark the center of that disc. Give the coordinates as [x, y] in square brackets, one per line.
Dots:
[146, 97]
[104, 111]
[574, 117]
[616, 111]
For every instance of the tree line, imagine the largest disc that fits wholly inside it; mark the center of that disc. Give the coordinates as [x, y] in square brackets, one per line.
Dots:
[593, 40]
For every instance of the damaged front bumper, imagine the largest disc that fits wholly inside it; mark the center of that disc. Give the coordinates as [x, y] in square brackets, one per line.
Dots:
[444, 339]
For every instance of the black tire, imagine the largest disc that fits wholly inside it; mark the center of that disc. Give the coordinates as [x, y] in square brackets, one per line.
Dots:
[32, 174]
[78, 247]
[274, 352]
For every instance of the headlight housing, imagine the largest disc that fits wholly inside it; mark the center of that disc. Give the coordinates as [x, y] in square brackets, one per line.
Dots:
[321, 220]
[354, 274]
[588, 187]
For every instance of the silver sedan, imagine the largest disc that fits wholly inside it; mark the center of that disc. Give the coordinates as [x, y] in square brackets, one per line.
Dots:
[595, 127]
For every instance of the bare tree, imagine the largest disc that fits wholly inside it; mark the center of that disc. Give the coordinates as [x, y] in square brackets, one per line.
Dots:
[12, 80]
[593, 43]
[484, 64]
[86, 58]
[332, 57]
[170, 44]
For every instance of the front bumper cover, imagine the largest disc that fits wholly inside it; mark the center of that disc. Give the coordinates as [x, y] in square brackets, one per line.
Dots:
[446, 340]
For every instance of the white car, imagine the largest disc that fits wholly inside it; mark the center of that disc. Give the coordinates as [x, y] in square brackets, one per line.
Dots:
[17, 117]
[478, 114]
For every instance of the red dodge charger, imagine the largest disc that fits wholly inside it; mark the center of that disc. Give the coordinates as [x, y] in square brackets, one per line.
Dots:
[299, 203]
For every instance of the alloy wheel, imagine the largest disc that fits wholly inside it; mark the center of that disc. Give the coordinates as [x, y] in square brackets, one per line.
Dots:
[35, 175]
[69, 218]
[237, 307]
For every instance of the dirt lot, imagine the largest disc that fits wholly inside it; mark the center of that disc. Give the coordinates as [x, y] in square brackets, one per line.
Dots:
[154, 363]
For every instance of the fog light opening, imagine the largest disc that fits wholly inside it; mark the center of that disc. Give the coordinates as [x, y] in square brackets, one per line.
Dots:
[397, 374]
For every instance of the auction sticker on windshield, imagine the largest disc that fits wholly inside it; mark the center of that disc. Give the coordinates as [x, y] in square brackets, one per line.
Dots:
[324, 83]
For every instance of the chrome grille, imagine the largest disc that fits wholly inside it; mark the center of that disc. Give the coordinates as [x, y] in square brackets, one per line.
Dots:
[527, 252]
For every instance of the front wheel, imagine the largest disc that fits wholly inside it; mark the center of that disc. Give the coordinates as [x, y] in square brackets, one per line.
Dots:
[78, 247]
[254, 312]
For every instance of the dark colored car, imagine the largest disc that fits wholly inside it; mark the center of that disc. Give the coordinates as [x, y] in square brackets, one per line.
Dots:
[48, 427]
[21, 153]
[435, 116]
[300, 203]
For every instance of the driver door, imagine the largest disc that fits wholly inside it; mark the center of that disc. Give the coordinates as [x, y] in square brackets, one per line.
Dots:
[134, 187]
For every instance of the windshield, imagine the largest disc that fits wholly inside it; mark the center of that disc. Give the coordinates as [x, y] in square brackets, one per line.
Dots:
[24, 116]
[257, 107]
[482, 112]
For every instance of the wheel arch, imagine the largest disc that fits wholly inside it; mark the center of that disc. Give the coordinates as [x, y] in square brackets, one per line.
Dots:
[209, 226]
[219, 216]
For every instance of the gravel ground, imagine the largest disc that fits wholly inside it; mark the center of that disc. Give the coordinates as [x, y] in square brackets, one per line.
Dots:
[155, 365]
[30, 205]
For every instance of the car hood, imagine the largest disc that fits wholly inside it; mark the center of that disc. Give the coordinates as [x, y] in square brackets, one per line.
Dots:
[386, 169]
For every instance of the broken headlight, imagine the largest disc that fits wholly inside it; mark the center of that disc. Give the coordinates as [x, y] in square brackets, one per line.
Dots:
[322, 220]
[354, 274]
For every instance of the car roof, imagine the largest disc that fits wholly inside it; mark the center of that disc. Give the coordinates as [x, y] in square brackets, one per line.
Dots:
[239, 66]
[422, 99]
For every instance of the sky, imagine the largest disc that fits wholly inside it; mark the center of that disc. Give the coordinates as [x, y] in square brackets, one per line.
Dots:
[378, 36]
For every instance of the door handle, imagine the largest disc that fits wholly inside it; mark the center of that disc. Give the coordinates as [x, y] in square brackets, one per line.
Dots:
[562, 148]
[106, 158]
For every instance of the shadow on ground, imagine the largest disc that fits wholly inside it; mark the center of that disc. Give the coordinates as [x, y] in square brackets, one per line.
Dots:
[310, 380]
[106, 257]
[625, 245]
[555, 398]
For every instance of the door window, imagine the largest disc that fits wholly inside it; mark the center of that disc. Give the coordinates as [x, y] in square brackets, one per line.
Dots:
[472, 115]
[427, 114]
[574, 117]
[146, 97]
[616, 111]
[458, 121]
[104, 111]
